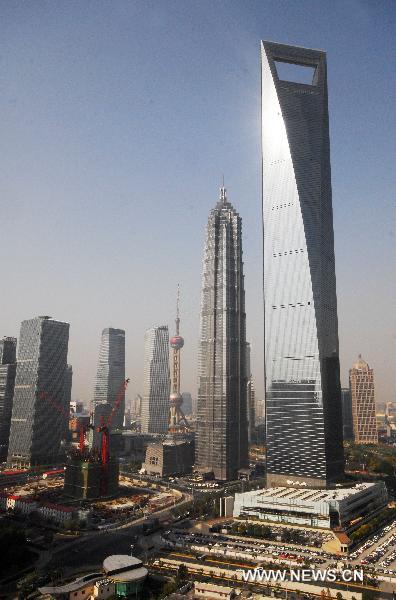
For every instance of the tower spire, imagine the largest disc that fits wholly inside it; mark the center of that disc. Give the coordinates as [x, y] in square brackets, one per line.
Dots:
[177, 420]
[223, 193]
[177, 320]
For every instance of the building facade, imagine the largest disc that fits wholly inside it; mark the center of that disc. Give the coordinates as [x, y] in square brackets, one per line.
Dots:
[303, 394]
[312, 507]
[169, 457]
[221, 428]
[347, 421]
[67, 399]
[136, 406]
[361, 383]
[187, 403]
[7, 382]
[155, 400]
[38, 413]
[110, 377]
[250, 397]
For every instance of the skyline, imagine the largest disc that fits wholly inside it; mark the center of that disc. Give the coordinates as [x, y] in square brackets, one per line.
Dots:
[76, 151]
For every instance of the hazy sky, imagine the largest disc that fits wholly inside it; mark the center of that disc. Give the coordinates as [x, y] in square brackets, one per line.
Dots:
[118, 120]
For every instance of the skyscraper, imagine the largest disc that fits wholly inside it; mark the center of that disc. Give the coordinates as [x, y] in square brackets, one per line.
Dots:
[7, 382]
[361, 383]
[221, 434]
[38, 411]
[67, 398]
[250, 397]
[347, 422]
[136, 406]
[188, 403]
[155, 401]
[110, 376]
[303, 404]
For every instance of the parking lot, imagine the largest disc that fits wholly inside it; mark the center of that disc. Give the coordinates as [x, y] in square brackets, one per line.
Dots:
[379, 552]
[377, 555]
[249, 550]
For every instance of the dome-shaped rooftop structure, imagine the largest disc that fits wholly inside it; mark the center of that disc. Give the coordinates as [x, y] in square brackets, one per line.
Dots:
[361, 364]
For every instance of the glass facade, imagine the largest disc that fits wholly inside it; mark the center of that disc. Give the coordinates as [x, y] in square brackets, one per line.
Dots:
[110, 376]
[346, 401]
[222, 429]
[38, 412]
[7, 382]
[303, 403]
[155, 401]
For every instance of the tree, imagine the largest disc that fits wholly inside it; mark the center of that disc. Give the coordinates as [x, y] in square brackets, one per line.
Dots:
[182, 574]
[169, 588]
[13, 539]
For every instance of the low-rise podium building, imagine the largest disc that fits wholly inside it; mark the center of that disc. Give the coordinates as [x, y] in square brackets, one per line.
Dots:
[312, 507]
[170, 457]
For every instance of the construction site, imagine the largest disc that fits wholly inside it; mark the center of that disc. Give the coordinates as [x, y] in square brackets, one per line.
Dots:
[87, 489]
[91, 472]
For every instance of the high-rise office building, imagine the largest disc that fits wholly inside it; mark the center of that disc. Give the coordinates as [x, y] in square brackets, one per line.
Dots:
[110, 377]
[7, 382]
[187, 403]
[67, 398]
[361, 383]
[250, 397]
[303, 392]
[136, 406]
[347, 422]
[38, 413]
[155, 401]
[8, 351]
[222, 431]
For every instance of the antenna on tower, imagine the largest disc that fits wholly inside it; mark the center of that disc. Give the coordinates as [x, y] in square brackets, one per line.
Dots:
[177, 321]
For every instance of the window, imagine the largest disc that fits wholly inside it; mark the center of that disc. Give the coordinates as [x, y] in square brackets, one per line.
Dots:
[295, 73]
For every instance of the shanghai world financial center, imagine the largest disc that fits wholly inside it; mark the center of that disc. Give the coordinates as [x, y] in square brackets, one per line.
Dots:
[303, 404]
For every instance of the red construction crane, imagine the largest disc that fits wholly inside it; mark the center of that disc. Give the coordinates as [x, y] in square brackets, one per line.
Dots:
[81, 444]
[104, 429]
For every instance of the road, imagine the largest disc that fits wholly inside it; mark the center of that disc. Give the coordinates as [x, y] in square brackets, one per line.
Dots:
[93, 547]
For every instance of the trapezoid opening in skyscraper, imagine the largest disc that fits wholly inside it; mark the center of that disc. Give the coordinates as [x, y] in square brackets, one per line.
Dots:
[302, 381]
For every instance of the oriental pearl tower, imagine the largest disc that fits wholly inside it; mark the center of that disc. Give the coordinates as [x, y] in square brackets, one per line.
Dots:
[177, 420]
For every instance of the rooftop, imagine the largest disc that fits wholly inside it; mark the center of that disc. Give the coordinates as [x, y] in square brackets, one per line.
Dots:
[361, 364]
[313, 495]
[124, 567]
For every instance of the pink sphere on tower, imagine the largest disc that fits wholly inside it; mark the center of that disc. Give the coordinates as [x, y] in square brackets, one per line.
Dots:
[177, 342]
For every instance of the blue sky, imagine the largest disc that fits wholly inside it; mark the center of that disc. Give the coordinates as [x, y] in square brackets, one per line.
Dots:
[118, 120]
